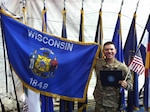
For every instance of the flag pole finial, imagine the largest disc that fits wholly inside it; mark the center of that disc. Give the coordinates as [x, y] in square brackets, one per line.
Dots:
[64, 4]
[24, 3]
[44, 2]
[82, 3]
[102, 3]
[121, 5]
[137, 5]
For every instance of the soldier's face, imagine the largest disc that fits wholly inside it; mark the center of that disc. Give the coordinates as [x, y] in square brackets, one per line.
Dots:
[109, 51]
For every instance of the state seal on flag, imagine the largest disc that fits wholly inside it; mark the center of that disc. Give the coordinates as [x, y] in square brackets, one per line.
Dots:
[43, 62]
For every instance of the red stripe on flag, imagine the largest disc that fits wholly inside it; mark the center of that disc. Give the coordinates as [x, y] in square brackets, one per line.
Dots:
[137, 65]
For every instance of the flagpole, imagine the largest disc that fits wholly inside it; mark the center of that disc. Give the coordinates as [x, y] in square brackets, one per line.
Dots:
[44, 22]
[140, 42]
[18, 106]
[82, 3]
[2, 106]
[143, 35]
[137, 5]
[120, 55]
[24, 12]
[64, 21]
[46, 101]
[134, 16]
[82, 106]
[64, 4]
[101, 3]
[65, 106]
[121, 5]
[129, 52]
[99, 30]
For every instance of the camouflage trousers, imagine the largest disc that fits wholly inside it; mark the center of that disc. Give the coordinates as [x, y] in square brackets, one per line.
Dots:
[101, 108]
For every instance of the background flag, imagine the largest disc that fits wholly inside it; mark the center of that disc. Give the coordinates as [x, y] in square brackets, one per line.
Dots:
[35, 50]
[46, 101]
[99, 33]
[81, 106]
[65, 106]
[147, 69]
[117, 40]
[129, 52]
[136, 64]
[32, 98]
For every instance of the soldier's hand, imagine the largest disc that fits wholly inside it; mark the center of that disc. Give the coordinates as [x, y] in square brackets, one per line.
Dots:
[123, 83]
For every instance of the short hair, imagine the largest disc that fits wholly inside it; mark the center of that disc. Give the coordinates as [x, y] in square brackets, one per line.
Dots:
[108, 43]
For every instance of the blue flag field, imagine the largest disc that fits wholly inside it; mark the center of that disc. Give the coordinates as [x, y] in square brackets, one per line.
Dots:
[51, 65]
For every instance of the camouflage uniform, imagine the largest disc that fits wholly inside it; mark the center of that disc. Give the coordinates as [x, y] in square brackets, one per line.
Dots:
[108, 98]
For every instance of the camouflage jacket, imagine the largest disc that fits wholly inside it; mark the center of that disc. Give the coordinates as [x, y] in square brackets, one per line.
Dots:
[110, 96]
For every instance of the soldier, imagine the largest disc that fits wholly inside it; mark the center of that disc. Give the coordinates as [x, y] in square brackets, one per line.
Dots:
[108, 98]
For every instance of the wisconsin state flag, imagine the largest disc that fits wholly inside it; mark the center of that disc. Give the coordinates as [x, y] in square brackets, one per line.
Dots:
[48, 64]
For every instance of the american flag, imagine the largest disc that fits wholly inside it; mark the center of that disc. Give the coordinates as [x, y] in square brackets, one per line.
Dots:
[137, 65]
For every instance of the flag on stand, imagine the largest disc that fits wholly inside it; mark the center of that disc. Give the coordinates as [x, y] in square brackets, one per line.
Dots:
[34, 51]
[147, 69]
[130, 49]
[46, 101]
[99, 33]
[82, 106]
[32, 98]
[117, 40]
[65, 106]
[129, 53]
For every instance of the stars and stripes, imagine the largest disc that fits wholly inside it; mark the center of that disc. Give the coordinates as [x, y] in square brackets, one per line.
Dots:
[137, 65]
